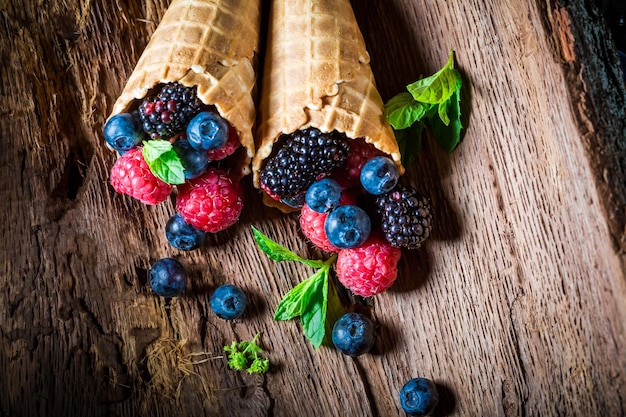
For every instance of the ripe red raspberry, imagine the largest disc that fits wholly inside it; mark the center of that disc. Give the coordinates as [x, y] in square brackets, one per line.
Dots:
[211, 202]
[312, 226]
[231, 145]
[131, 175]
[369, 269]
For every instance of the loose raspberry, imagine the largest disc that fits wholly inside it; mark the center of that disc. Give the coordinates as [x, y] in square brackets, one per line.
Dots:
[312, 226]
[131, 175]
[211, 202]
[369, 269]
[231, 145]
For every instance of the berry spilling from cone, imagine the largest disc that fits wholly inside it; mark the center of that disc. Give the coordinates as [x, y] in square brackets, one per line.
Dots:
[173, 142]
[313, 171]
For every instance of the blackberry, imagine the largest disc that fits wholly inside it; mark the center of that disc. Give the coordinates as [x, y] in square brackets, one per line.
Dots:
[305, 156]
[168, 113]
[406, 217]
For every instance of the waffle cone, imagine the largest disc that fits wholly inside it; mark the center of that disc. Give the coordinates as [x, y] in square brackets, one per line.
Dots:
[317, 74]
[210, 44]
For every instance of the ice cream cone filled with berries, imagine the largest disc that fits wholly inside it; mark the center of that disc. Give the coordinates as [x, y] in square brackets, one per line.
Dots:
[325, 147]
[184, 119]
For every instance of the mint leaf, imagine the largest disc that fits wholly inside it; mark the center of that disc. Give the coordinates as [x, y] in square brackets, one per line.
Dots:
[410, 142]
[334, 310]
[448, 135]
[314, 316]
[163, 161]
[309, 299]
[279, 253]
[402, 111]
[296, 301]
[437, 88]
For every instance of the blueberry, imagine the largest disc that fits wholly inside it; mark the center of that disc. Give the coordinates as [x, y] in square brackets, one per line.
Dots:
[195, 162]
[353, 334]
[207, 131]
[379, 175]
[419, 397]
[168, 277]
[324, 195]
[123, 132]
[347, 227]
[228, 302]
[182, 235]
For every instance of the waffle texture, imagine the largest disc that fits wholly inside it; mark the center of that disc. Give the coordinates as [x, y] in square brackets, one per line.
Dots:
[210, 44]
[317, 74]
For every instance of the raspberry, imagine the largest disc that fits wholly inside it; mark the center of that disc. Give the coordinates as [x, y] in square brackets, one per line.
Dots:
[369, 269]
[305, 156]
[211, 202]
[406, 217]
[312, 226]
[169, 112]
[131, 175]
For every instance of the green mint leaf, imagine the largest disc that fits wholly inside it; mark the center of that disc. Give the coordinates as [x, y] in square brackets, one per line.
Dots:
[334, 310]
[410, 142]
[296, 301]
[448, 135]
[314, 316]
[279, 253]
[438, 87]
[402, 111]
[442, 110]
[163, 161]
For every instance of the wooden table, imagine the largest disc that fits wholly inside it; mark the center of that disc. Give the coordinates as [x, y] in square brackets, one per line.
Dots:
[515, 307]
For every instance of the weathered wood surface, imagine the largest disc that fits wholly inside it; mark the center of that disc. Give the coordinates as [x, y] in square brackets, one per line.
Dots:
[516, 307]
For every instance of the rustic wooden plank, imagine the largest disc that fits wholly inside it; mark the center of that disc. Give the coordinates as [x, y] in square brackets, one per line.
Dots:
[515, 307]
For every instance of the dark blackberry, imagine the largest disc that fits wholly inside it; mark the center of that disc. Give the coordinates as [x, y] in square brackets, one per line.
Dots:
[406, 217]
[168, 113]
[305, 156]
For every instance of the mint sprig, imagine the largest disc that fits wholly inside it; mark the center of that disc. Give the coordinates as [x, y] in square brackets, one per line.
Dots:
[432, 101]
[163, 161]
[308, 300]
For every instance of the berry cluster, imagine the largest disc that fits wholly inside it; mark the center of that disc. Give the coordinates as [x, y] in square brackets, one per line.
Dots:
[334, 222]
[167, 113]
[208, 200]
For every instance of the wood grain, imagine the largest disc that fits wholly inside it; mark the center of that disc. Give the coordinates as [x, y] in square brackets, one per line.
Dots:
[516, 306]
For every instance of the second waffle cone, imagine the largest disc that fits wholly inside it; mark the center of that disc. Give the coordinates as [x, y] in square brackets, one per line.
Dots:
[317, 74]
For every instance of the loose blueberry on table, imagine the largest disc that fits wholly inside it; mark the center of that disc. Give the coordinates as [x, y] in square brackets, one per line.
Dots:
[419, 397]
[182, 235]
[228, 302]
[168, 277]
[353, 334]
